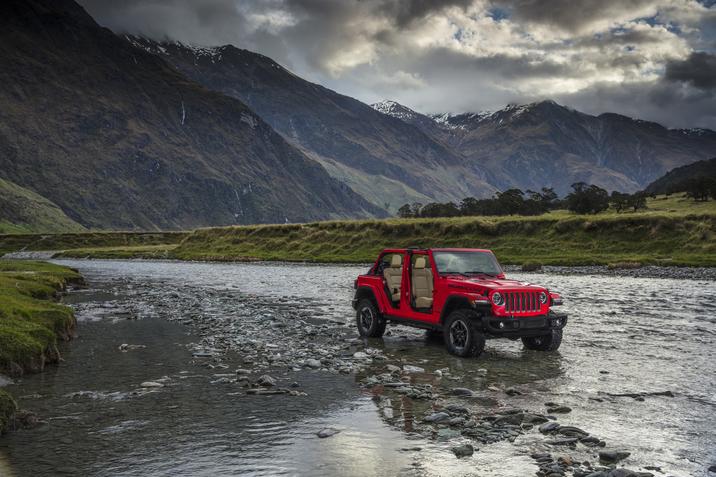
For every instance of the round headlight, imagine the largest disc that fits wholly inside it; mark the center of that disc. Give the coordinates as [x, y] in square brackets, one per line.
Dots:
[543, 297]
[497, 299]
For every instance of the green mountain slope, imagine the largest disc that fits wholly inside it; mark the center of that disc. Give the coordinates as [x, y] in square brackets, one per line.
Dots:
[119, 139]
[677, 180]
[22, 211]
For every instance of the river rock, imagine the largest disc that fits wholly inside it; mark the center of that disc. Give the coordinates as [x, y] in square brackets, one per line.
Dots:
[313, 363]
[713, 469]
[328, 432]
[437, 417]
[548, 427]
[465, 450]
[461, 392]
[457, 409]
[151, 384]
[559, 410]
[413, 369]
[613, 456]
[266, 380]
[567, 441]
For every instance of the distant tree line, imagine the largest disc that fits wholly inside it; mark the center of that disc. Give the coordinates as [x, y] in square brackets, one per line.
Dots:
[700, 189]
[584, 199]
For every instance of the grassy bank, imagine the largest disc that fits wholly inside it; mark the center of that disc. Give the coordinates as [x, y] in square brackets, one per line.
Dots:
[546, 240]
[673, 230]
[73, 241]
[31, 322]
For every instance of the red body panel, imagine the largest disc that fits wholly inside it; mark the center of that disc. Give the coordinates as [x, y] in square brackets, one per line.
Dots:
[520, 299]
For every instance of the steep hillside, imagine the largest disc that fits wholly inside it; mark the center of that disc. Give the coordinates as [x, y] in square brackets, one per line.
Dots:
[117, 138]
[677, 179]
[546, 144]
[381, 157]
[22, 210]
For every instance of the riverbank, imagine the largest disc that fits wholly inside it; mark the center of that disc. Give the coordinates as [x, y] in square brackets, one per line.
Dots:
[31, 322]
[674, 231]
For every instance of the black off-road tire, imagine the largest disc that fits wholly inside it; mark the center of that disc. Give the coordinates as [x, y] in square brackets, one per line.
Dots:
[463, 334]
[548, 342]
[370, 322]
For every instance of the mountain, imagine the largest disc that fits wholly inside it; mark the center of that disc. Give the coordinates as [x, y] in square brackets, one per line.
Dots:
[677, 180]
[22, 210]
[117, 138]
[545, 144]
[385, 159]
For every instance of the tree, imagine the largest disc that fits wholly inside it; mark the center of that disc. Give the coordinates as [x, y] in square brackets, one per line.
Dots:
[587, 199]
[619, 200]
[636, 201]
[416, 207]
[509, 201]
[405, 211]
[700, 189]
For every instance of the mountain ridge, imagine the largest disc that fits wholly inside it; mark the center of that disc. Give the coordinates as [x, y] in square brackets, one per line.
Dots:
[119, 139]
[607, 149]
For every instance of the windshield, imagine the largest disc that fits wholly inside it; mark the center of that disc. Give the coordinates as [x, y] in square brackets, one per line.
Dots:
[467, 263]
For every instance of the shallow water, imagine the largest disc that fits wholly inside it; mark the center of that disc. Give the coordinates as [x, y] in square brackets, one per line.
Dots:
[625, 335]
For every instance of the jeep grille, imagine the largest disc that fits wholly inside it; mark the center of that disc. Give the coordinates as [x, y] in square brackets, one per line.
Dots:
[517, 302]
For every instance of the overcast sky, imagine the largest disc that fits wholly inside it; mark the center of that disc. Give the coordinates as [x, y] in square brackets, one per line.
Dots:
[651, 59]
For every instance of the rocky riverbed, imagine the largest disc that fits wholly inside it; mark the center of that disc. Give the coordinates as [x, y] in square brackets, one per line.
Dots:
[254, 368]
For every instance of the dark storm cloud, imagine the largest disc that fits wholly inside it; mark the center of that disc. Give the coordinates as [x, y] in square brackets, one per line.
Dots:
[699, 70]
[405, 12]
[573, 15]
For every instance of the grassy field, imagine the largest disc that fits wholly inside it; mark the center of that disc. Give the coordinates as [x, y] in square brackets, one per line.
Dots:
[672, 231]
[88, 240]
[31, 322]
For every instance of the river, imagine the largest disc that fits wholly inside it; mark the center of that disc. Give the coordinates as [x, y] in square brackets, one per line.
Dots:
[171, 403]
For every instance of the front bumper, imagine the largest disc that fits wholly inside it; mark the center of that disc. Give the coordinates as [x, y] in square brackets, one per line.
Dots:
[522, 327]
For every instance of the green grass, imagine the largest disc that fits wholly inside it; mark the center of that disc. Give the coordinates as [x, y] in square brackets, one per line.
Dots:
[672, 231]
[90, 240]
[144, 252]
[30, 320]
[24, 211]
[572, 240]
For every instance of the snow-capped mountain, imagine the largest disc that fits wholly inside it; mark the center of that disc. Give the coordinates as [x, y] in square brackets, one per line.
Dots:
[544, 143]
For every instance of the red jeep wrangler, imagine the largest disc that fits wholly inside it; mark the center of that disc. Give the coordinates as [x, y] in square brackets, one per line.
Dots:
[461, 292]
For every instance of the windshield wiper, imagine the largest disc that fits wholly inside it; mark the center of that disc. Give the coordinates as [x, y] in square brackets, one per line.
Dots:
[483, 273]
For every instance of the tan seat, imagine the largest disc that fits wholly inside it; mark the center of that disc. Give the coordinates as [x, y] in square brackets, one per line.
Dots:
[393, 276]
[422, 284]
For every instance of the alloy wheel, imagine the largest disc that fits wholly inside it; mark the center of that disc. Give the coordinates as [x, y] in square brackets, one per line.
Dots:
[458, 334]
